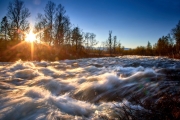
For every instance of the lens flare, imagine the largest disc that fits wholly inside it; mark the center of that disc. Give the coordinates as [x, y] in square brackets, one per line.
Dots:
[30, 37]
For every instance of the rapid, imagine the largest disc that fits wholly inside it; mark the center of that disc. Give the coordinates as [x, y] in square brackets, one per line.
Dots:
[84, 89]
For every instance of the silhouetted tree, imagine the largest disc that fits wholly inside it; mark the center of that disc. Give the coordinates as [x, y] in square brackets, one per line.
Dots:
[109, 43]
[92, 41]
[86, 39]
[114, 44]
[176, 35]
[140, 50]
[4, 27]
[119, 49]
[162, 46]
[17, 15]
[149, 49]
[61, 26]
[100, 49]
[49, 10]
[77, 39]
[40, 26]
[171, 47]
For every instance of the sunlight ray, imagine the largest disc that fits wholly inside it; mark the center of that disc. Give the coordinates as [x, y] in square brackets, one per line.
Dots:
[30, 37]
[32, 51]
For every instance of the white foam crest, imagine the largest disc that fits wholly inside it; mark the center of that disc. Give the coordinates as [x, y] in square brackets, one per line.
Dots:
[76, 70]
[71, 106]
[107, 81]
[20, 108]
[39, 81]
[104, 81]
[95, 86]
[56, 114]
[129, 69]
[115, 110]
[55, 63]
[108, 110]
[1, 67]
[4, 85]
[36, 93]
[42, 64]
[26, 73]
[50, 71]
[91, 69]
[56, 87]
[21, 65]
[139, 75]
[69, 61]
[46, 71]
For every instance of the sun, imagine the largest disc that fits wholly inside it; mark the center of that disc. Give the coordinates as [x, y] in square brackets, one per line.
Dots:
[30, 37]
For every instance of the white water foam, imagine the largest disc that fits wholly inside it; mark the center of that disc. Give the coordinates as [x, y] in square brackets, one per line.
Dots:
[80, 89]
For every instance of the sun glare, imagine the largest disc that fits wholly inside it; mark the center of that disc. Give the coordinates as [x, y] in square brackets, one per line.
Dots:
[30, 37]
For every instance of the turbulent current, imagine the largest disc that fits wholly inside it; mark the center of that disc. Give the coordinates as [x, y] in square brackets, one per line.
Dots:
[93, 88]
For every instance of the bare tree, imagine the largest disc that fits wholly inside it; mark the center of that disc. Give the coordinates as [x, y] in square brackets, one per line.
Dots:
[114, 44]
[86, 39]
[119, 47]
[109, 43]
[40, 27]
[67, 27]
[92, 40]
[4, 27]
[17, 15]
[176, 35]
[62, 26]
[49, 10]
[77, 38]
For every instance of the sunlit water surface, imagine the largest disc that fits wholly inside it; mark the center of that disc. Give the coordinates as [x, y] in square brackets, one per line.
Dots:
[83, 88]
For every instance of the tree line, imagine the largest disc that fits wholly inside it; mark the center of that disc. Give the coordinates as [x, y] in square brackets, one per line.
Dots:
[168, 45]
[57, 38]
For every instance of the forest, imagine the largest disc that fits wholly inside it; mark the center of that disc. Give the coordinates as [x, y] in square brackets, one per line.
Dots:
[57, 38]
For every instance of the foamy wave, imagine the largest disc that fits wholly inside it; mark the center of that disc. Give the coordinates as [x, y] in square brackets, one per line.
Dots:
[85, 88]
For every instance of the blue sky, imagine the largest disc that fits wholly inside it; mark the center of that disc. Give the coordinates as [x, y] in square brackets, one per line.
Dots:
[134, 22]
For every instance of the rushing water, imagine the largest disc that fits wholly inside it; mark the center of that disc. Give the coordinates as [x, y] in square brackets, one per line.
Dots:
[84, 88]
